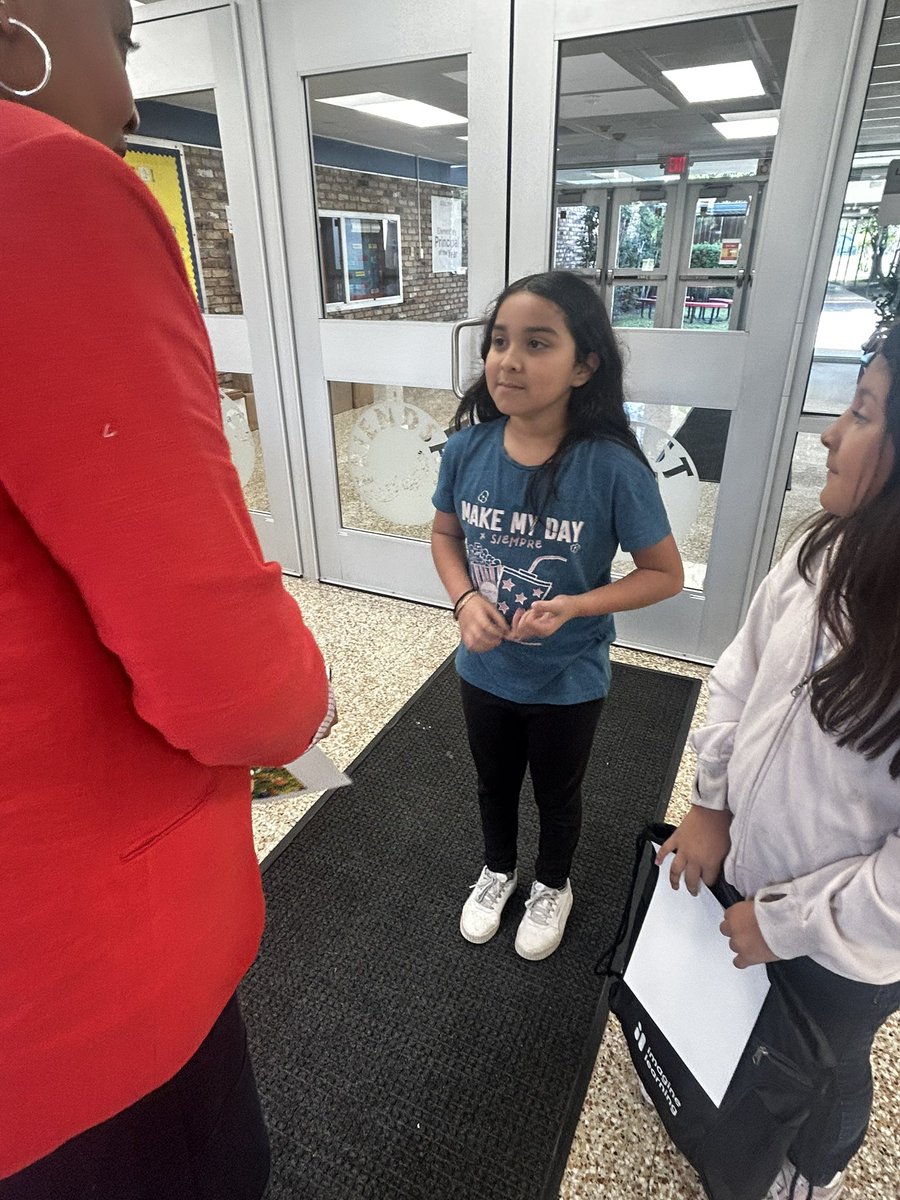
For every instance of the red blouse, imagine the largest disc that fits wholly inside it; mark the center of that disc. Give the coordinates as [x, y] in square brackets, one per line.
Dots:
[148, 654]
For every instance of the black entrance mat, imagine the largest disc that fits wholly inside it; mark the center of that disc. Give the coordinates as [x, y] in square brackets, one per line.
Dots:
[395, 1060]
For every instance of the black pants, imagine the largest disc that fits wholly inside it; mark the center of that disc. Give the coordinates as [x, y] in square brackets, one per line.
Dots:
[554, 742]
[201, 1136]
[849, 1014]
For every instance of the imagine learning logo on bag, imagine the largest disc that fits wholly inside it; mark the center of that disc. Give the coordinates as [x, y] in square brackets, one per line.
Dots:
[656, 1071]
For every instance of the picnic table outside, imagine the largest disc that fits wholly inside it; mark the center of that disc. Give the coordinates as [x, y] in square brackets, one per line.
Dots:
[713, 307]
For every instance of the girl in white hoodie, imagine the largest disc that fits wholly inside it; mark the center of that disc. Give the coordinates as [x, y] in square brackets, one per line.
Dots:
[797, 794]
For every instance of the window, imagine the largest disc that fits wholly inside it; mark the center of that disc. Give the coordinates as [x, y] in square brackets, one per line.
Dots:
[361, 256]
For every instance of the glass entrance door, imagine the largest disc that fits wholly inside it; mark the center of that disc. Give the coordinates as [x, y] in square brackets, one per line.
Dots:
[672, 256]
[668, 133]
[692, 115]
[714, 273]
[196, 153]
[640, 246]
[391, 136]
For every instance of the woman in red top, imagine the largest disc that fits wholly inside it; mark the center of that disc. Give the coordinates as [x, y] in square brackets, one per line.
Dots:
[148, 657]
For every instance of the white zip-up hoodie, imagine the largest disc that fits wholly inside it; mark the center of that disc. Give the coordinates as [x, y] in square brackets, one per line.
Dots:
[815, 835]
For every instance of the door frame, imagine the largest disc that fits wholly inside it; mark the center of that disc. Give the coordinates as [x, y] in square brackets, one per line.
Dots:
[831, 203]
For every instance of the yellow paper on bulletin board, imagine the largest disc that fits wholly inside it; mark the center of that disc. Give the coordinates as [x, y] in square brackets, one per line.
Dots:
[159, 169]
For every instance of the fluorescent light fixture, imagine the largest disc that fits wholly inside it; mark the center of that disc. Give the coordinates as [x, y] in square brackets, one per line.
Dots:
[759, 114]
[747, 125]
[462, 137]
[396, 108]
[720, 81]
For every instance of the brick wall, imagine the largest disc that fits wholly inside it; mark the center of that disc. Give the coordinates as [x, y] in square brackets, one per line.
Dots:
[209, 198]
[426, 296]
[570, 234]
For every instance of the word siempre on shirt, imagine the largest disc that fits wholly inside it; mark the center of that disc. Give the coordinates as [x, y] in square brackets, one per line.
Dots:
[523, 523]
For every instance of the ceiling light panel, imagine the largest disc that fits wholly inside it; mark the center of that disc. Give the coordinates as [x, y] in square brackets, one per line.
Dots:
[762, 127]
[761, 114]
[396, 108]
[719, 81]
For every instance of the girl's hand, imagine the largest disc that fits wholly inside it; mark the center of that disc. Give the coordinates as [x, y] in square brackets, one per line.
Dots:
[481, 626]
[700, 842]
[742, 930]
[541, 620]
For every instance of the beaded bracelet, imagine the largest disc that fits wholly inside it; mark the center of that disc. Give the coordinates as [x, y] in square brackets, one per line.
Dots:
[462, 601]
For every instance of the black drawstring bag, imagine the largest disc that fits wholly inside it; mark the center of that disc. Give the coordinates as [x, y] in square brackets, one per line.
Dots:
[785, 1076]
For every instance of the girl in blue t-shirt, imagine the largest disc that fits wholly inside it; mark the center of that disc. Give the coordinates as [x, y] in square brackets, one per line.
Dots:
[532, 502]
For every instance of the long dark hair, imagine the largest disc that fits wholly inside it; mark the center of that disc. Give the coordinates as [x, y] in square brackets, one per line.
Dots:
[859, 604]
[596, 408]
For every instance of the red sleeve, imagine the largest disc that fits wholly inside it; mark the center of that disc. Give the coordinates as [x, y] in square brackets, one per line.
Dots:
[112, 448]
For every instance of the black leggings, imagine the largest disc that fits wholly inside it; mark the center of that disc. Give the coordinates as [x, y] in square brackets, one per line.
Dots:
[849, 1014]
[201, 1136]
[554, 741]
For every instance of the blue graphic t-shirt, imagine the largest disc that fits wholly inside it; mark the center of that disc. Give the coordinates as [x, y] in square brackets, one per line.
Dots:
[605, 498]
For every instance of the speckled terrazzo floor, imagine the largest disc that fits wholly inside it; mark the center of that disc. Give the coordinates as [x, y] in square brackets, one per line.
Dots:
[256, 490]
[381, 650]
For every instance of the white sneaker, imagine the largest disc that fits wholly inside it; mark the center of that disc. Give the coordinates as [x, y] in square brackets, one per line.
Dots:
[481, 913]
[542, 927]
[790, 1178]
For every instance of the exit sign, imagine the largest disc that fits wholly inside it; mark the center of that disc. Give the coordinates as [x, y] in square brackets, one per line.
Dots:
[676, 164]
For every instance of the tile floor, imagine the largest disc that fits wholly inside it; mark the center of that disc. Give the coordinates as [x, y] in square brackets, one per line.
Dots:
[381, 650]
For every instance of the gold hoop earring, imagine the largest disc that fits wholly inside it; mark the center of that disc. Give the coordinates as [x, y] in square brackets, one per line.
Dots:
[48, 63]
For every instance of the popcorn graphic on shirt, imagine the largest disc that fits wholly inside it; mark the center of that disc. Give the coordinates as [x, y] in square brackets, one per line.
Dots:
[517, 589]
[484, 570]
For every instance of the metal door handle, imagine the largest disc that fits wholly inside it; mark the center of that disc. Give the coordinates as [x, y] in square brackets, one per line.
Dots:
[642, 277]
[454, 352]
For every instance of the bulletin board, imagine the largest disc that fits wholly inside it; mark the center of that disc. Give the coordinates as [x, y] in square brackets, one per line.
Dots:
[162, 170]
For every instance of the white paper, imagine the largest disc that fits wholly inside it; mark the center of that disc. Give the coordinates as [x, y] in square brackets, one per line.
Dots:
[316, 773]
[446, 234]
[682, 971]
